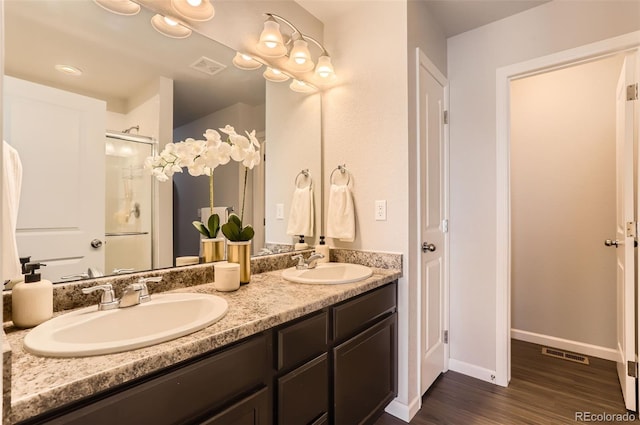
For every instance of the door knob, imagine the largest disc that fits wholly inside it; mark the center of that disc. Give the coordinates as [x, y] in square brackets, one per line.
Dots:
[96, 243]
[610, 242]
[428, 247]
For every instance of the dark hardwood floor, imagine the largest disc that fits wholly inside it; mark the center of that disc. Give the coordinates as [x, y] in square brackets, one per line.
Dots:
[543, 390]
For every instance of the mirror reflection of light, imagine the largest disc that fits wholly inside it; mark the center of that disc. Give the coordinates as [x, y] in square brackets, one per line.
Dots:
[109, 149]
[170, 21]
[194, 3]
[126, 151]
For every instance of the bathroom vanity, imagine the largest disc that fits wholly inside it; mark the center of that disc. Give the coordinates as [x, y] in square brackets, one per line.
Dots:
[286, 353]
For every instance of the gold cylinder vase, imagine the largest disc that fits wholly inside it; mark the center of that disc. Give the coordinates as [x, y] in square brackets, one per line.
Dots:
[212, 249]
[240, 253]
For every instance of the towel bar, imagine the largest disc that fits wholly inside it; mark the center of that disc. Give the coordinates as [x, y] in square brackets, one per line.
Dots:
[304, 173]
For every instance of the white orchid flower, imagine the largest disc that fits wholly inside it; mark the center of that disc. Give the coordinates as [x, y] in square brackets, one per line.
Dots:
[229, 130]
[237, 153]
[224, 153]
[252, 158]
[252, 137]
[212, 136]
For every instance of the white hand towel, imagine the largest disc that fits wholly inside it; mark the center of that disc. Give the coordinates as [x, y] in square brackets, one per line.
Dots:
[301, 212]
[341, 216]
[12, 184]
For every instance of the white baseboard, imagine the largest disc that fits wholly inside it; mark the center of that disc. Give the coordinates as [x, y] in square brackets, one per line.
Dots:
[565, 344]
[402, 411]
[472, 370]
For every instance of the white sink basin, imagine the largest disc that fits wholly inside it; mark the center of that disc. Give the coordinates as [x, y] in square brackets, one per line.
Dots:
[328, 274]
[88, 332]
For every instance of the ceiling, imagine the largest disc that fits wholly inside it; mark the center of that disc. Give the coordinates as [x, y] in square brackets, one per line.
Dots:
[454, 16]
[119, 55]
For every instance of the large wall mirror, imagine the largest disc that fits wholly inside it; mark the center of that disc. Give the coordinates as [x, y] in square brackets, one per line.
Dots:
[137, 91]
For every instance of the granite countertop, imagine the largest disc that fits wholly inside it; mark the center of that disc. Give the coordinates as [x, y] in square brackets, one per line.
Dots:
[39, 384]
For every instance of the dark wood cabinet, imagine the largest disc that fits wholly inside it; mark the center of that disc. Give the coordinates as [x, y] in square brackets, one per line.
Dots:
[365, 374]
[334, 366]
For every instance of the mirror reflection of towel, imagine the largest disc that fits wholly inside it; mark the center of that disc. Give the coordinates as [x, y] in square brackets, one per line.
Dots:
[11, 186]
[341, 216]
[301, 212]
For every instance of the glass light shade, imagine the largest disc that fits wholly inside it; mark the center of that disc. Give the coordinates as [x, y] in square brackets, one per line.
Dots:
[301, 87]
[246, 62]
[169, 27]
[275, 75]
[119, 7]
[324, 69]
[68, 69]
[271, 43]
[300, 58]
[194, 10]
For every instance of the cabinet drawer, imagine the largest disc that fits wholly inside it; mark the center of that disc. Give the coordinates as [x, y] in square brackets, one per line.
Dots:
[253, 410]
[365, 365]
[361, 312]
[182, 394]
[302, 341]
[303, 394]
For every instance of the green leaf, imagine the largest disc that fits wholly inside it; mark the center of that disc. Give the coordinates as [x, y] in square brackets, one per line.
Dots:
[231, 231]
[235, 219]
[247, 233]
[201, 228]
[214, 225]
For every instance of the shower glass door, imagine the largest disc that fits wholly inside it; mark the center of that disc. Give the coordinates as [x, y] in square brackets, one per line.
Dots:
[128, 218]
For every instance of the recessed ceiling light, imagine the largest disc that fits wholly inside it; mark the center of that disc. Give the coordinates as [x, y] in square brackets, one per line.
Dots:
[120, 7]
[68, 69]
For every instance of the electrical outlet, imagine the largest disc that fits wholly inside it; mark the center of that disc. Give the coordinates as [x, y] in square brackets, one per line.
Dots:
[279, 211]
[381, 210]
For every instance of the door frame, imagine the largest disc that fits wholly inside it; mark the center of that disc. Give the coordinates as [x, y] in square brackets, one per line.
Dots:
[423, 61]
[504, 76]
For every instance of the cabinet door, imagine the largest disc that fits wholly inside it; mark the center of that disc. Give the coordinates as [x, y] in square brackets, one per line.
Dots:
[365, 373]
[253, 410]
[303, 394]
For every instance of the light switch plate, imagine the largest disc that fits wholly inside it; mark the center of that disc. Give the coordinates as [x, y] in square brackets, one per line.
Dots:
[279, 211]
[381, 210]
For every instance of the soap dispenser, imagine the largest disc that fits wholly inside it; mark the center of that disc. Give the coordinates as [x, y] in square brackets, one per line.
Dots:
[301, 244]
[32, 300]
[323, 249]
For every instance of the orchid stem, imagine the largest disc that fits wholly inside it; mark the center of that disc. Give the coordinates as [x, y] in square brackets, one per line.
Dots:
[211, 192]
[244, 192]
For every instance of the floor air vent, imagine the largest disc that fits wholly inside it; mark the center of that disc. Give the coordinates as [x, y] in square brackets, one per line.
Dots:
[560, 354]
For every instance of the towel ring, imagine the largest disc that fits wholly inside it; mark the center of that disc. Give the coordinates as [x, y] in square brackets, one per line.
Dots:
[343, 170]
[304, 173]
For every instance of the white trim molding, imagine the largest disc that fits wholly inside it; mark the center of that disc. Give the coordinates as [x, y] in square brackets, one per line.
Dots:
[473, 371]
[504, 76]
[566, 344]
[403, 411]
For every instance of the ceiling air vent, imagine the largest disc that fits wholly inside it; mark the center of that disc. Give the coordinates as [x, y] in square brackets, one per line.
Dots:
[207, 66]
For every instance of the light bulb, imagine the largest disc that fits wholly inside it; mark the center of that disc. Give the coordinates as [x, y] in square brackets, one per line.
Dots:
[170, 21]
[300, 58]
[194, 3]
[324, 68]
[271, 43]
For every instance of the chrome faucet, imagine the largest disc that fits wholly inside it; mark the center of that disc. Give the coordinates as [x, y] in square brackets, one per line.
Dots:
[309, 263]
[134, 294]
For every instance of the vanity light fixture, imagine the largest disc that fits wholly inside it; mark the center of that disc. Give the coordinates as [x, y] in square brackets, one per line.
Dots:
[194, 10]
[299, 57]
[120, 7]
[271, 43]
[169, 26]
[275, 75]
[301, 87]
[246, 62]
[68, 69]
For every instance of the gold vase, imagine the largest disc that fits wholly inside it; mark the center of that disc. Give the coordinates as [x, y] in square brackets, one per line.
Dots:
[212, 249]
[240, 252]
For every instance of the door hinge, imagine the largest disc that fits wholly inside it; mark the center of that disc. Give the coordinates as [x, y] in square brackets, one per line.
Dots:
[445, 337]
[632, 369]
[632, 91]
[445, 225]
[445, 117]
[631, 229]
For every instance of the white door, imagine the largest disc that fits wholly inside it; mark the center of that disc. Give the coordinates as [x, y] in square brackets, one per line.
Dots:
[60, 139]
[625, 230]
[432, 214]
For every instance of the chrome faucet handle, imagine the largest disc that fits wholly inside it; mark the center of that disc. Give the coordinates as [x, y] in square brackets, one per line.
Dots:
[76, 276]
[121, 271]
[301, 264]
[312, 261]
[144, 292]
[108, 299]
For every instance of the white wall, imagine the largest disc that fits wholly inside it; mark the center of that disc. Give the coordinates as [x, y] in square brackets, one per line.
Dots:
[292, 144]
[365, 127]
[563, 203]
[473, 59]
